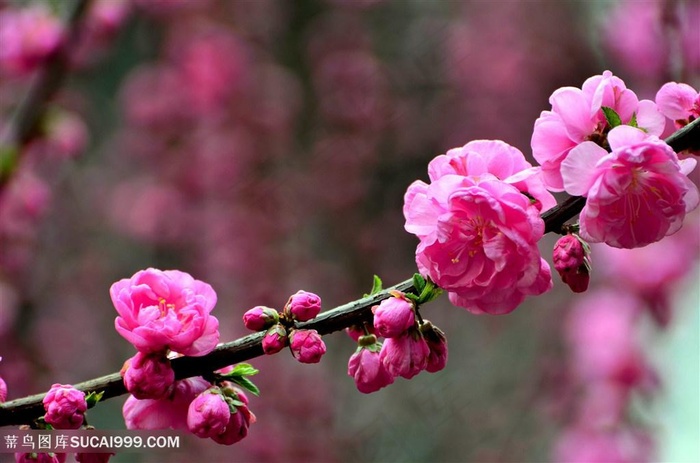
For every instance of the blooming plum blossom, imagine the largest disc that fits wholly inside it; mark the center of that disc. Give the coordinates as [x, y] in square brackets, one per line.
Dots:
[478, 233]
[303, 306]
[406, 355]
[259, 318]
[275, 339]
[636, 195]
[572, 261]
[366, 367]
[679, 102]
[161, 310]
[577, 116]
[168, 413]
[307, 346]
[65, 407]
[393, 316]
[208, 414]
[148, 376]
[238, 423]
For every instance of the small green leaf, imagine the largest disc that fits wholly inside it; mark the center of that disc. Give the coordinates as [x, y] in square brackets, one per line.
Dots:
[376, 285]
[93, 397]
[418, 282]
[633, 121]
[242, 369]
[611, 116]
[412, 297]
[247, 384]
[429, 293]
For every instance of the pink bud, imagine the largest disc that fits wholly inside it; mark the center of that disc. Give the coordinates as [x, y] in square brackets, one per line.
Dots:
[406, 355]
[238, 422]
[571, 258]
[65, 407]
[437, 343]
[393, 316]
[368, 371]
[275, 339]
[260, 318]
[40, 457]
[307, 346]
[303, 306]
[208, 414]
[148, 376]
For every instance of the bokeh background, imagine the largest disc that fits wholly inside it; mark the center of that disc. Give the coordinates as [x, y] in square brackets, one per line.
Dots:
[264, 147]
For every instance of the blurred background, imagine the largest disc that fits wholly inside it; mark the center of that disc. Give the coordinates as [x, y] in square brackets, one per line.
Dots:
[265, 146]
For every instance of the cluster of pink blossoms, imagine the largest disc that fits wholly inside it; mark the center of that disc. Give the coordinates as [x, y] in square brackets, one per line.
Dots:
[479, 222]
[169, 311]
[411, 346]
[306, 346]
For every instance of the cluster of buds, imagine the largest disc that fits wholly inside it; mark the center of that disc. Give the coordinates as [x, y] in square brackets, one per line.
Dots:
[411, 344]
[220, 413]
[280, 327]
[572, 259]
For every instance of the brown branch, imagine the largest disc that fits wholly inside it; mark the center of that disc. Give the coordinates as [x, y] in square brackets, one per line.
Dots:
[24, 410]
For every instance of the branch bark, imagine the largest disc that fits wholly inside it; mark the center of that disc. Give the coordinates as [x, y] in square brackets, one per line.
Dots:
[24, 410]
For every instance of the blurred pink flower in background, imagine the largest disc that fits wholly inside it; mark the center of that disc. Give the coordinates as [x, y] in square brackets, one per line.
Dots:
[161, 310]
[28, 36]
[636, 195]
[581, 445]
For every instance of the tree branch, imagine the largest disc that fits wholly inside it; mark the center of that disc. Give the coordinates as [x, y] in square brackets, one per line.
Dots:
[24, 410]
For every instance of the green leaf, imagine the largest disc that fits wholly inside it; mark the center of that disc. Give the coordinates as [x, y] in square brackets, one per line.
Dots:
[418, 282]
[243, 369]
[412, 297]
[247, 384]
[376, 285]
[93, 397]
[633, 121]
[429, 293]
[611, 116]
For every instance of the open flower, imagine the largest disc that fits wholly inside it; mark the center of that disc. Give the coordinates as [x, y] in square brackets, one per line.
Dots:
[679, 102]
[636, 195]
[161, 310]
[577, 116]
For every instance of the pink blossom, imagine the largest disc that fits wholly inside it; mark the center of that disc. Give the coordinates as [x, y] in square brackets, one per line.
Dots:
[148, 376]
[168, 413]
[259, 318]
[602, 336]
[478, 241]
[40, 457]
[65, 407]
[366, 367]
[497, 158]
[679, 102]
[406, 355]
[238, 423]
[208, 414]
[636, 195]
[572, 261]
[437, 343]
[275, 339]
[393, 316]
[303, 306]
[577, 117]
[28, 36]
[307, 346]
[161, 310]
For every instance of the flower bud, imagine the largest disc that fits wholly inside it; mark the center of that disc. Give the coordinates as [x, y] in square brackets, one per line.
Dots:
[406, 355]
[260, 318]
[571, 257]
[307, 346]
[437, 343]
[275, 339]
[65, 407]
[148, 376]
[208, 414]
[366, 368]
[393, 316]
[303, 306]
[238, 422]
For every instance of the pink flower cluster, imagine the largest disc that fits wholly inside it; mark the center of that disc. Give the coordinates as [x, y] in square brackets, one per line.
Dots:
[409, 348]
[306, 346]
[479, 222]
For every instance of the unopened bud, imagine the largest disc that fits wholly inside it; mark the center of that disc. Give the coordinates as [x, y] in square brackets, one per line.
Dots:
[571, 258]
